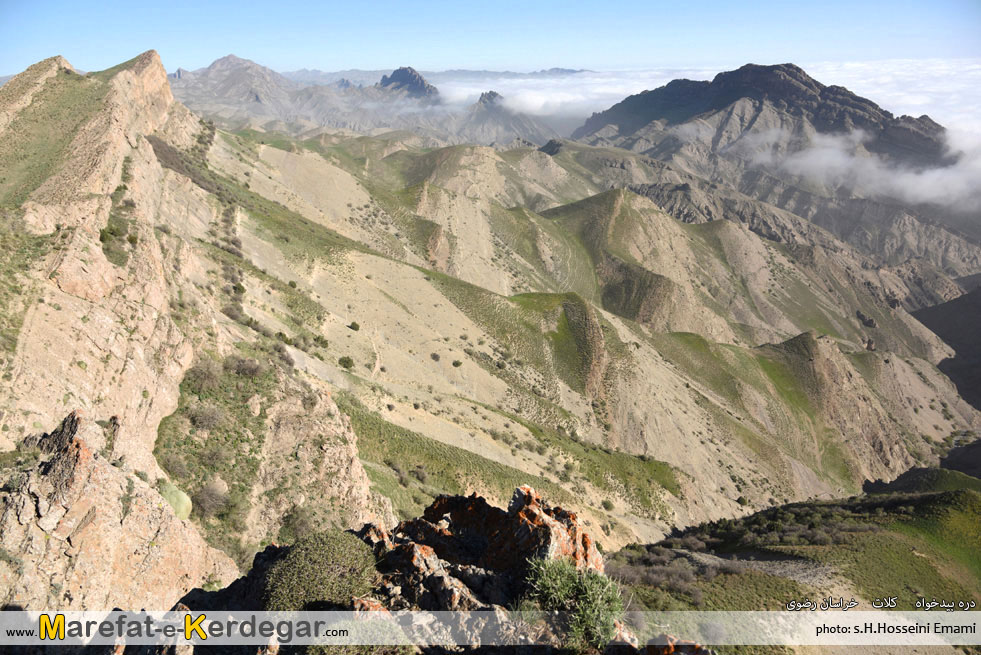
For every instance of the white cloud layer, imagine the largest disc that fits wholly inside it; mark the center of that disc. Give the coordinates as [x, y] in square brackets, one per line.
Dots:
[842, 161]
[949, 90]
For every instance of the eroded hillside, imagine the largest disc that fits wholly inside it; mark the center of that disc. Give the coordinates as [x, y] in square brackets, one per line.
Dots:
[269, 335]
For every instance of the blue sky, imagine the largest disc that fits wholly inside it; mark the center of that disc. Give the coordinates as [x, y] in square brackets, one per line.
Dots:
[290, 34]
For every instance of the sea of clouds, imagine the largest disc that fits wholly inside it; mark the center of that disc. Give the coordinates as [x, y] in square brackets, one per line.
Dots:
[948, 90]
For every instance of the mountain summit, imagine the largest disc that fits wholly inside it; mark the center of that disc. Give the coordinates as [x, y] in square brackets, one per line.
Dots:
[779, 136]
[786, 89]
[409, 80]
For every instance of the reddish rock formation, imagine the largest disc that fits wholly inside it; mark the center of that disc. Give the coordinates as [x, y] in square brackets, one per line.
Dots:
[465, 554]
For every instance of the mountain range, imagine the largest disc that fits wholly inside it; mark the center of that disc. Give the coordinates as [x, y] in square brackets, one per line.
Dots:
[239, 310]
[240, 93]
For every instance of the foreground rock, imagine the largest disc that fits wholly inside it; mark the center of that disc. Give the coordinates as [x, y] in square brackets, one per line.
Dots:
[81, 531]
[461, 555]
[464, 554]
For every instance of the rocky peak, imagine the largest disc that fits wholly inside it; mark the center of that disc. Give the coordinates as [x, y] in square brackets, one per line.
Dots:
[490, 98]
[779, 81]
[409, 80]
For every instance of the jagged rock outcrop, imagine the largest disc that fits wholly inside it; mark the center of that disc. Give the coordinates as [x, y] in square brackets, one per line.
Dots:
[79, 532]
[310, 443]
[464, 554]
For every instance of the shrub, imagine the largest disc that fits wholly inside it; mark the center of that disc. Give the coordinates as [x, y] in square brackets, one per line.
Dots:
[205, 416]
[209, 500]
[457, 363]
[292, 284]
[354, 326]
[175, 465]
[608, 505]
[203, 376]
[297, 524]
[249, 368]
[346, 362]
[419, 473]
[435, 356]
[591, 600]
[320, 571]
[233, 311]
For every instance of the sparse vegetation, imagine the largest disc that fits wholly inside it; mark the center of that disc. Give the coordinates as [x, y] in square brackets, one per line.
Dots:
[214, 400]
[36, 142]
[447, 468]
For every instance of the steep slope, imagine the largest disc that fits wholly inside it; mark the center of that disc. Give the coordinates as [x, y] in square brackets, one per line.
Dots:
[76, 531]
[545, 375]
[765, 131]
[114, 291]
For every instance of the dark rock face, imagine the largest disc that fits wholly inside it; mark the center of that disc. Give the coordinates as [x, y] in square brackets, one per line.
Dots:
[865, 319]
[551, 148]
[409, 80]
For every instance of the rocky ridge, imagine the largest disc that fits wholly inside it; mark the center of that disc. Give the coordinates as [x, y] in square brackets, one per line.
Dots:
[77, 531]
[115, 338]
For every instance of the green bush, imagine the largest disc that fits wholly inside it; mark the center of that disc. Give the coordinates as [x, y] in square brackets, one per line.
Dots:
[591, 600]
[320, 571]
[346, 362]
[608, 505]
